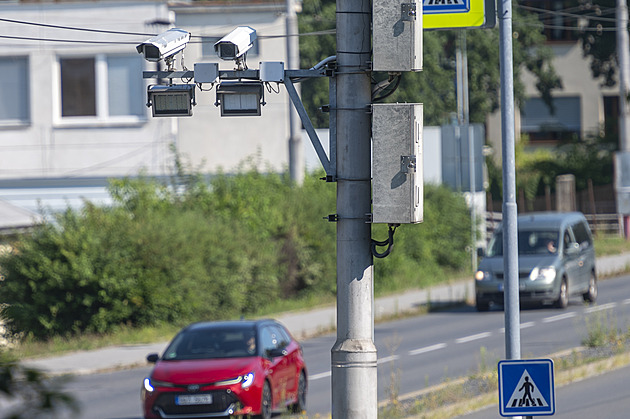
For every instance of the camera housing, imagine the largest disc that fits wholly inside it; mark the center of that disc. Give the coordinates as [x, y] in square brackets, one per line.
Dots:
[234, 45]
[165, 45]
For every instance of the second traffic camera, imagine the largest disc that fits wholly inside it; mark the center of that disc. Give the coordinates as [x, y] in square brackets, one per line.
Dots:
[235, 44]
[165, 45]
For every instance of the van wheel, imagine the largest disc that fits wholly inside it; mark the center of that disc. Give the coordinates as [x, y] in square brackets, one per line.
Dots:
[591, 295]
[482, 305]
[563, 296]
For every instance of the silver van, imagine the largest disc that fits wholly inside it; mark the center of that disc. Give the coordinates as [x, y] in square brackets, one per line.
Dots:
[556, 259]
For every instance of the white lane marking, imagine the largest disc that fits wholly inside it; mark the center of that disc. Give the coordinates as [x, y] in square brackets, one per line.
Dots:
[318, 376]
[428, 349]
[626, 301]
[473, 337]
[387, 359]
[559, 317]
[600, 308]
[523, 326]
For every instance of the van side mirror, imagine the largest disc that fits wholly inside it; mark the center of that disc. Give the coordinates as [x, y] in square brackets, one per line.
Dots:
[481, 252]
[152, 358]
[572, 249]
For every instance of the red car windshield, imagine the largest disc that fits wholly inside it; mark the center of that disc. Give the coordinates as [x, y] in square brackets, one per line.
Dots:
[211, 343]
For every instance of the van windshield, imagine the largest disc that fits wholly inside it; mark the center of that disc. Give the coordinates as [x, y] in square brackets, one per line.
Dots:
[530, 242]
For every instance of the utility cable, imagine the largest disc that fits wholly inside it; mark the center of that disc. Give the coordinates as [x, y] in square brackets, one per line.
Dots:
[389, 243]
[554, 13]
[384, 85]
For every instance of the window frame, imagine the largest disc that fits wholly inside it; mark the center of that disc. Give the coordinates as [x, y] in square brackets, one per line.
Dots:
[27, 120]
[545, 127]
[101, 75]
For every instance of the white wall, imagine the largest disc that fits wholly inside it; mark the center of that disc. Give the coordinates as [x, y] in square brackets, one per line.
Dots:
[577, 80]
[431, 153]
[51, 146]
[224, 142]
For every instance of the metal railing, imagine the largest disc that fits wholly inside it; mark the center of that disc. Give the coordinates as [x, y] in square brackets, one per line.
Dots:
[608, 224]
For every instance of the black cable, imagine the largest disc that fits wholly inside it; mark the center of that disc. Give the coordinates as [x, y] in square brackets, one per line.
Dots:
[74, 28]
[76, 41]
[389, 93]
[389, 243]
[71, 28]
[553, 13]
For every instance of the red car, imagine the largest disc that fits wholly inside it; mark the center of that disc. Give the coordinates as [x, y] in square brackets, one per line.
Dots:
[222, 369]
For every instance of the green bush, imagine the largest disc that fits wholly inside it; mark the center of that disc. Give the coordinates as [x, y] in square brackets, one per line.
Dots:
[28, 393]
[193, 250]
[425, 253]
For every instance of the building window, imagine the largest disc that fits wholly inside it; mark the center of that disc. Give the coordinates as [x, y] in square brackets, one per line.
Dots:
[542, 125]
[125, 88]
[559, 24]
[103, 88]
[611, 116]
[78, 87]
[14, 85]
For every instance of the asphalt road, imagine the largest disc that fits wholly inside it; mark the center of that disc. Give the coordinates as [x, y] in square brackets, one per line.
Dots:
[413, 353]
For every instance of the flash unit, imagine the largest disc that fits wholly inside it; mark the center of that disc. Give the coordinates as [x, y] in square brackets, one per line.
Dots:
[240, 98]
[174, 100]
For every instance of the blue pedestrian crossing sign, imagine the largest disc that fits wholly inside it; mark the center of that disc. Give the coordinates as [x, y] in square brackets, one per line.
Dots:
[526, 387]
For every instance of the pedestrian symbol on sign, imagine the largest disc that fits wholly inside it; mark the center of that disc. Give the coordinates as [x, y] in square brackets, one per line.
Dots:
[526, 393]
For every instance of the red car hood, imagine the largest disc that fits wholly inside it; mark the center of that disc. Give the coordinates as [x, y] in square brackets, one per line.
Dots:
[203, 370]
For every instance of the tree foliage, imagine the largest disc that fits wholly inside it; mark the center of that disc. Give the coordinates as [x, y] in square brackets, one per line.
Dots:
[587, 159]
[28, 394]
[435, 85]
[193, 250]
[599, 38]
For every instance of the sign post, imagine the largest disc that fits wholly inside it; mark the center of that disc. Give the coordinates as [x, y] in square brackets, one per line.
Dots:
[526, 387]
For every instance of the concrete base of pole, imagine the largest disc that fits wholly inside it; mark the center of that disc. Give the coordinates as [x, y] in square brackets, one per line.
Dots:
[354, 369]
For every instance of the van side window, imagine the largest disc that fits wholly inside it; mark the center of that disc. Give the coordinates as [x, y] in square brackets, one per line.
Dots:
[581, 234]
[567, 240]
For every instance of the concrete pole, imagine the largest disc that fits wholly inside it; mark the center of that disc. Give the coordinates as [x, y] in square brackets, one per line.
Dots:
[463, 115]
[624, 75]
[624, 88]
[296, 149]
[354, 389]
[510, 228]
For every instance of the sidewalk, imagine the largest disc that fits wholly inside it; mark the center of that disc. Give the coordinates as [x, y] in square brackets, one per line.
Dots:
[301, 324]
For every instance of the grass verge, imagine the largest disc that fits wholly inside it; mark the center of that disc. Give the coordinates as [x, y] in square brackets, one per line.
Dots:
[606, 347]
[474, 393]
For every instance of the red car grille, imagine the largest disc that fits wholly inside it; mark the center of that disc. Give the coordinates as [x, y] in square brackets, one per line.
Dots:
[221, 400]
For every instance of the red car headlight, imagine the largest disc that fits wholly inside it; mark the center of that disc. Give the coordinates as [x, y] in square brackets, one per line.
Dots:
[245, 380]
[147, 385]
[248, 379]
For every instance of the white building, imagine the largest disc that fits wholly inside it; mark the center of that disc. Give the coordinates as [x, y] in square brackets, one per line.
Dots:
[73, 110]
[582, 107]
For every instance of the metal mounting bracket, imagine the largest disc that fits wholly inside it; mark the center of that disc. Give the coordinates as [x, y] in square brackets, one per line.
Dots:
[408, 12]
[329, 164]
[407, 164]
